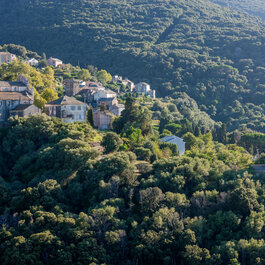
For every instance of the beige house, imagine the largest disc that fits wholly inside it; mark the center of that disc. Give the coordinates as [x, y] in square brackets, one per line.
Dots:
[104, 93]
[7, 57]
[68, 109]
[54, 62]
[102, 119]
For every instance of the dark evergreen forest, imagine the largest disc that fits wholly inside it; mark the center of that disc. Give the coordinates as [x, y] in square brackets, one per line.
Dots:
[213, 54]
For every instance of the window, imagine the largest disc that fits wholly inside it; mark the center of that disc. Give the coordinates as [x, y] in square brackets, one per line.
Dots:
[79, 107]
[80, 117]
[72, 107]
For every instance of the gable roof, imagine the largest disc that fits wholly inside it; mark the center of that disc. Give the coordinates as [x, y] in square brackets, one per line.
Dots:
[110, 91]
[143, 83]
[13, 96]
[6, 53]
[21, 107]
[55, 59]
[11, 83]
[66, 101]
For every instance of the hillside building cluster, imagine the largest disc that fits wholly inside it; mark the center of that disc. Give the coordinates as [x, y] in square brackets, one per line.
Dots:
[16, 98]
[140, 88]
[102, 100]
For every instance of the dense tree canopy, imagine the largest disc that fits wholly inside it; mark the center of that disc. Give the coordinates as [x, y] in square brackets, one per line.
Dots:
[62, 201]
[211, 53]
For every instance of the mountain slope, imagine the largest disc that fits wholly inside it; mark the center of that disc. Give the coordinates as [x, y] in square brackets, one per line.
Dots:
[254, 7]
[214, 55]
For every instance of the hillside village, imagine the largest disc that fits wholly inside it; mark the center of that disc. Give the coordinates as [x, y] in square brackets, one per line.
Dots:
[84, 98]
[79, 96]
[139, 139]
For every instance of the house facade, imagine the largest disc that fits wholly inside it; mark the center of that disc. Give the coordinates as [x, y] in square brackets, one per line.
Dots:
[116, 78]
[117, 109]
[25, 110]
[104, 93]
[102, 119]
[68, 109]
[145, 88]
[72, 86]
[107, 102]
[16, 96]
[54, 62]
[142, 87]
[32, 62]
[7, 57]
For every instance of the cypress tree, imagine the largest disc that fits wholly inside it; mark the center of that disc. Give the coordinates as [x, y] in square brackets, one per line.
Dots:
[90, 117]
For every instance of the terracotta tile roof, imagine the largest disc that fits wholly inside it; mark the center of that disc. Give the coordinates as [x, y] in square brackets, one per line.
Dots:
[13, 96]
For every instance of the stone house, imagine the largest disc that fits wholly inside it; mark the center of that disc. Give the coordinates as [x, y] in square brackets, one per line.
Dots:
[25, 110]
[142, 87]
[107, 102]
[68, 109]
[14, 95]
[130, 85]
[54, 62]
[117, 109]
[7, 57]
[104, 93]
[73, 86]
[86, 95]
[145, 88]
[102, 119]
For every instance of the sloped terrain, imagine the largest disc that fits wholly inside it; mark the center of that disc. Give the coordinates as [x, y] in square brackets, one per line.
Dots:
[213, 54]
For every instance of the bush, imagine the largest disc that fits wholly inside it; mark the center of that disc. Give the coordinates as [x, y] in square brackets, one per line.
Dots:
[143, 153]
[111, 141]
[173, 148]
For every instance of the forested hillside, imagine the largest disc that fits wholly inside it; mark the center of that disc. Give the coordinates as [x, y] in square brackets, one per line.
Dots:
[253, 7]
[63, 202]
[214, 55]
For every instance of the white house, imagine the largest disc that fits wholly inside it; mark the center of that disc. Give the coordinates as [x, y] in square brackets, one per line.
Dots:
[142, 87]
[175, 140]
[54, 62]
[68, 109]
[106, 93]
[116, 78]
[32, 62]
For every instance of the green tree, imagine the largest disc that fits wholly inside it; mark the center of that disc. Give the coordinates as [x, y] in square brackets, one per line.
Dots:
[111, 141]
[103, 76]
